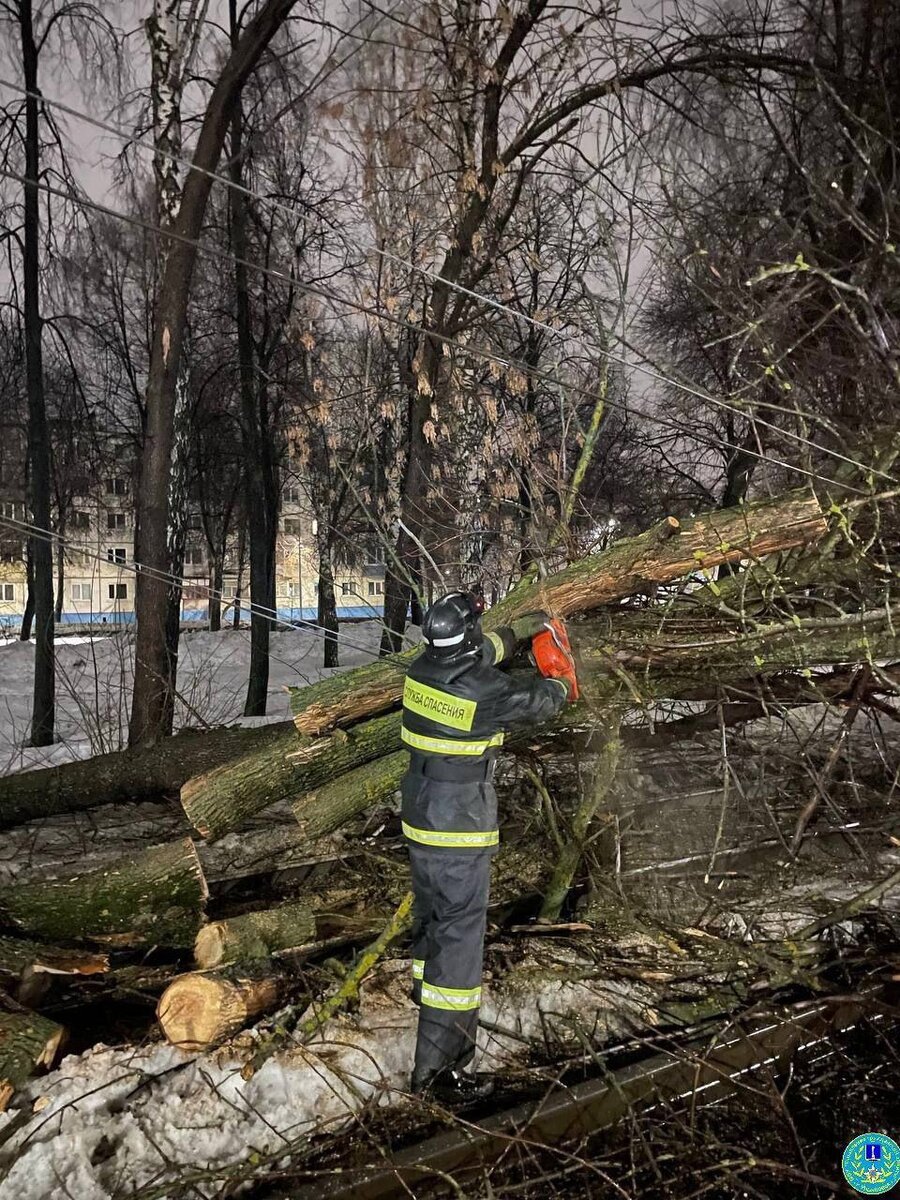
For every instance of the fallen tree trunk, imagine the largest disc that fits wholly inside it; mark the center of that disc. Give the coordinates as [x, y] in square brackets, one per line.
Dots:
[624, 658]
[155, 897]
[647, 656]
[656, 556]
[128, 775]
[329, 807]
[222, 800]
[200, 1010]
[254, 935]
[668, 551]
[27, 1041]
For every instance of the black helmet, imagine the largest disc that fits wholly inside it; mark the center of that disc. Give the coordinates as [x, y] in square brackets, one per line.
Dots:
[452, 626]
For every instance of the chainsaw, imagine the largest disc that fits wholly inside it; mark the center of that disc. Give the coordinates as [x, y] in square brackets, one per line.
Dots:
[553, 655]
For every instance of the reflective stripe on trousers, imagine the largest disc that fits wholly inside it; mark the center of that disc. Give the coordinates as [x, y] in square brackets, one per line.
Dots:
[449, 917]
[452, 839]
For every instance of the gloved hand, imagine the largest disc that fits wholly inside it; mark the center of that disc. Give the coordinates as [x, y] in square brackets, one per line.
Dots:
[528, 624]
[553, 657]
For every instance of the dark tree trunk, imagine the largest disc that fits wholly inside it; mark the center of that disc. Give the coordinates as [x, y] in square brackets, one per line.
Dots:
[239, 581]
[215, 598]
[28, 615]
[327, 609]
[149, 702]
[40, 549]
[261, 500]
[60, 574]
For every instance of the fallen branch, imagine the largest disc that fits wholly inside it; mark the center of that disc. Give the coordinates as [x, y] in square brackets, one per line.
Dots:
[348, 990]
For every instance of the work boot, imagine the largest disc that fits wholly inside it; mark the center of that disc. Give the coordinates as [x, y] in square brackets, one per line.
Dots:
[456, 1088]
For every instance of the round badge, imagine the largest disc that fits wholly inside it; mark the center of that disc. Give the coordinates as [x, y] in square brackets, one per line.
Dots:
[871, 1164]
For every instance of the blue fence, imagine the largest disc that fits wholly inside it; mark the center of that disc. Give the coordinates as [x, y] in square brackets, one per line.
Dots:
[191, 616]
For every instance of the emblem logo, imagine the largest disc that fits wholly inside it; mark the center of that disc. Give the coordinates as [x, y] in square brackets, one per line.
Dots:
[871, 1164]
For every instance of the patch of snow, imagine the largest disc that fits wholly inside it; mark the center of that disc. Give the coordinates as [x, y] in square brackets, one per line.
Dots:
[114, 1117]
[95, 676]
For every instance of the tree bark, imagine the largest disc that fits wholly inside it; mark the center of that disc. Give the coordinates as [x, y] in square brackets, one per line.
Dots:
[630, 566]
[40, 549]
[155, 897]
[332, 805]
[149, 701]
[254, 935]
[27, 1041]
[132, 775]
[198, 1010]
[222, 800]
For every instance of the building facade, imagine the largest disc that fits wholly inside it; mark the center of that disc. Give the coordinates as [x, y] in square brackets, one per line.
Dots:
[98, 573]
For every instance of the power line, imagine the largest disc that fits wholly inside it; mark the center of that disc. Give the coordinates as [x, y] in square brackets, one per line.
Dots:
[170, 579]
[669, 381]
[411, 326]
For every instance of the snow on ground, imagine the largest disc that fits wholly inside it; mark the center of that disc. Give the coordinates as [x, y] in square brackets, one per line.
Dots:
[95, 675]
[103, 1128]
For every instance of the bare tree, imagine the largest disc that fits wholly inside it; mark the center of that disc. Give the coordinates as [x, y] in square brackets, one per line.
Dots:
[151, 709]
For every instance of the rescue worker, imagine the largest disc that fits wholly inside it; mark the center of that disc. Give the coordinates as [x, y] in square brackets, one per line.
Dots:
[456, 708]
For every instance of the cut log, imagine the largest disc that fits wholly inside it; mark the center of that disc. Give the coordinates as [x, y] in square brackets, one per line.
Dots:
[27, 1041]
[128, 775]
[224, 799]
[254, 935]
[333, 804]
[200, 1010]
[630, 566]
[152, 898]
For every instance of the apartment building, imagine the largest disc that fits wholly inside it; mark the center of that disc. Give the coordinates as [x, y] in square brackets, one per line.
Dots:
[98, 562]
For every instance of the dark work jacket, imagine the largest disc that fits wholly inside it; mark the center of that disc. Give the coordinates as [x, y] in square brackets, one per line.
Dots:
[454, 718]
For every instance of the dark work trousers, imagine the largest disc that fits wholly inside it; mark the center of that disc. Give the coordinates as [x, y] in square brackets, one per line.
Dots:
[449, 918]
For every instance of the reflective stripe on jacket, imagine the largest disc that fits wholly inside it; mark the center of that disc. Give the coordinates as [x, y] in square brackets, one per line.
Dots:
[454, 718]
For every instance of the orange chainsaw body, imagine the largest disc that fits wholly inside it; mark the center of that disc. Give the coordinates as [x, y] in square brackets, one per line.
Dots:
[553, 655]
